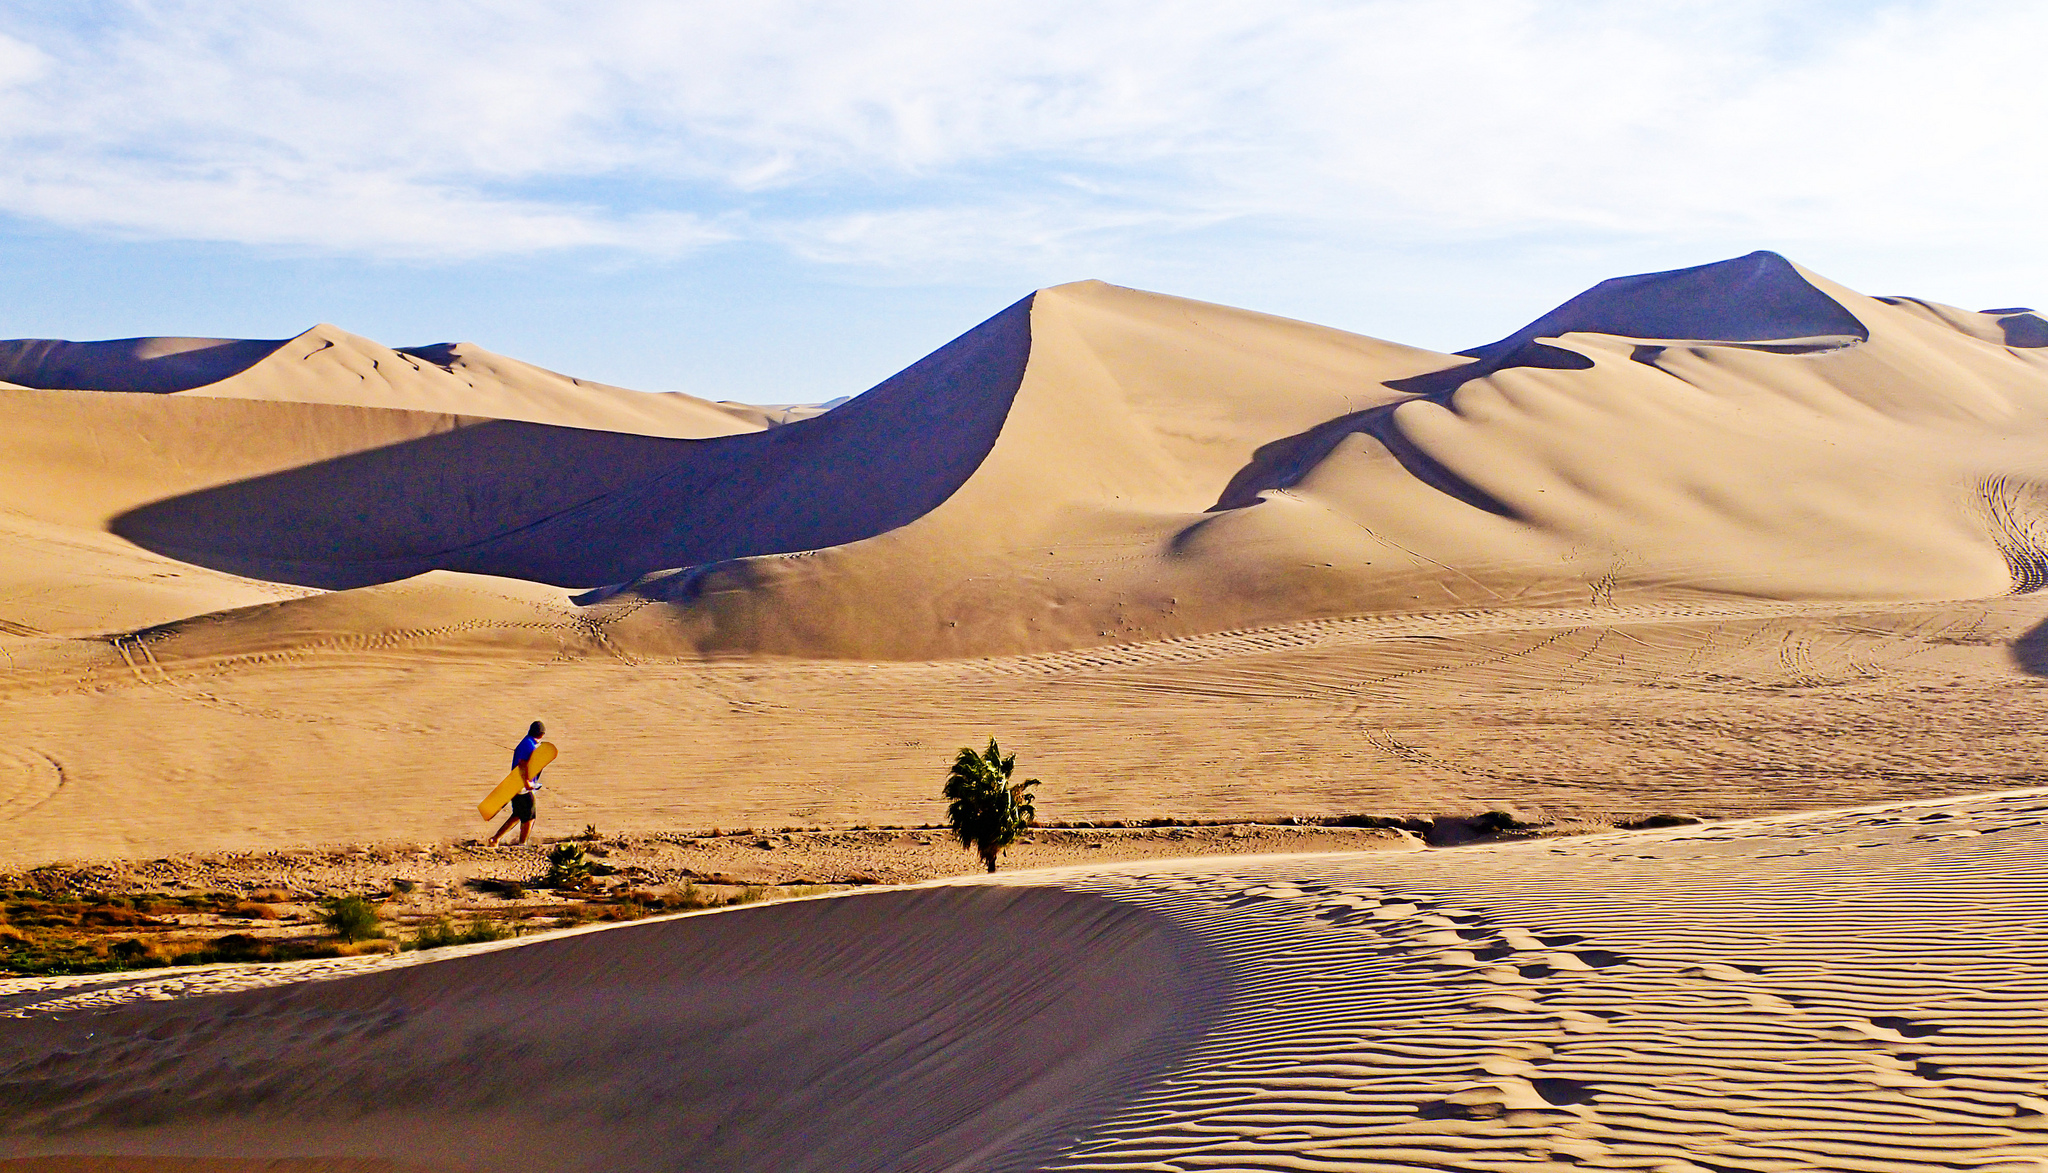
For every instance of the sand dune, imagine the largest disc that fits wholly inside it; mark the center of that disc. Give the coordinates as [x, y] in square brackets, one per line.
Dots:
[1238, 471]
[1309, 590]
[922, 1030]
[1788, 993]
[330, 365]
[161, 365]
[607, 507]
[1096, 465]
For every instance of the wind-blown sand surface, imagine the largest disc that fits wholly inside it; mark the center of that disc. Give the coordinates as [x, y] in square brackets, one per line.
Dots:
[1856, 990]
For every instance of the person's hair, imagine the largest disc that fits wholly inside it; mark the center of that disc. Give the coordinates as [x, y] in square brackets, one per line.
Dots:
[536, 730]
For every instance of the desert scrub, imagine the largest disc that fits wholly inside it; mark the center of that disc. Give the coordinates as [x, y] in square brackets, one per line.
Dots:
[441, 933]
[690, 897]
[351, 918]
[568, 866]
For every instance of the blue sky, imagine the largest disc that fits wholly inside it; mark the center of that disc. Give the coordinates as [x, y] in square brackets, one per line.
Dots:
[786, 201]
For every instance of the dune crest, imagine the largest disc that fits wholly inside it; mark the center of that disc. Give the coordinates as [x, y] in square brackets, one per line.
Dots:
[152, 365]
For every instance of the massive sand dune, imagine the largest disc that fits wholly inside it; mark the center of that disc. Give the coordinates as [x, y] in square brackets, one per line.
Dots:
[1095, 465]
[1861, 990]
[1201, 561]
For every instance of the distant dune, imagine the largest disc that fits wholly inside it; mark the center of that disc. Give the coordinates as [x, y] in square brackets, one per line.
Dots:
[1092, 465]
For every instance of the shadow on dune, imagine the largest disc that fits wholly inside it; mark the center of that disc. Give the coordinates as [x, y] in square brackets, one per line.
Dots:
[155, 365]
[2024, 331]
[976, 1026]
[578, 508]
[2030, 651]
[1285, 461]
[1756, 298]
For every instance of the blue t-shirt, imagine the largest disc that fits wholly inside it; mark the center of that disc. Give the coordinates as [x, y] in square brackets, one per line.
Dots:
[519, 756]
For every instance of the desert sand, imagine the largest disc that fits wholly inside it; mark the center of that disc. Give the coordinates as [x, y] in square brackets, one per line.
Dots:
[1731, 542]
[1720, 541]
[1856, 990]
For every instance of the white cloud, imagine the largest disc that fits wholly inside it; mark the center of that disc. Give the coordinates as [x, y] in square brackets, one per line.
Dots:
[918, 134]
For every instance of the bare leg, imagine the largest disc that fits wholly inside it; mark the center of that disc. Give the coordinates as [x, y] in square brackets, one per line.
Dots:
[525, 825]
[509, 820]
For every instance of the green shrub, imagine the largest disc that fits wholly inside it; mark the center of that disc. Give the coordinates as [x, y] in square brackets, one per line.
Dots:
[984, 808]
[568, 867]
[351, 918]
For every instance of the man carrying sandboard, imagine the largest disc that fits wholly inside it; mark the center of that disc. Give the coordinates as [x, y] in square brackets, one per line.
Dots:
[528, 760]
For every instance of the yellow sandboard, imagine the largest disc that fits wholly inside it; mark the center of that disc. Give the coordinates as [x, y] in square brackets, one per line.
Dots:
[515, 781]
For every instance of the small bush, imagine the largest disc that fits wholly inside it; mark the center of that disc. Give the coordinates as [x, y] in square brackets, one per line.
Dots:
[136, 952]
[590, 832]
[568, 866]
[685, 898]
[244, 947]
[351, 918]
[441, 933]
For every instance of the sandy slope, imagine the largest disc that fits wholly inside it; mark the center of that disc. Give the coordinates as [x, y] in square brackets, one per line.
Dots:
[1595, 713]
[1854, 990]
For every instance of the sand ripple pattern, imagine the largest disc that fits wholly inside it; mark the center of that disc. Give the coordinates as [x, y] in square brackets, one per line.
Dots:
[1866, 991]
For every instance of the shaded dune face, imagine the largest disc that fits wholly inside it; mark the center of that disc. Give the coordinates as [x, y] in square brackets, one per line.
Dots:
[154, 365]
[965, 1027]
[578, 508]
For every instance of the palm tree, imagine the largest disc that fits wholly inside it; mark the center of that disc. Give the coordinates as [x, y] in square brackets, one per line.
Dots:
[985, 809]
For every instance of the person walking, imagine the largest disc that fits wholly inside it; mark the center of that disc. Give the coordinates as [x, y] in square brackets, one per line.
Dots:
[523, 807]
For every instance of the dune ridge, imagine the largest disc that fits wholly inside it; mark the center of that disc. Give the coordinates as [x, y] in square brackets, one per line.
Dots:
[942, 1028]
[329, 365]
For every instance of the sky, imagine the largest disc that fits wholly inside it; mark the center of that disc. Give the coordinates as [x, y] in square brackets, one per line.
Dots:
[787, 201]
